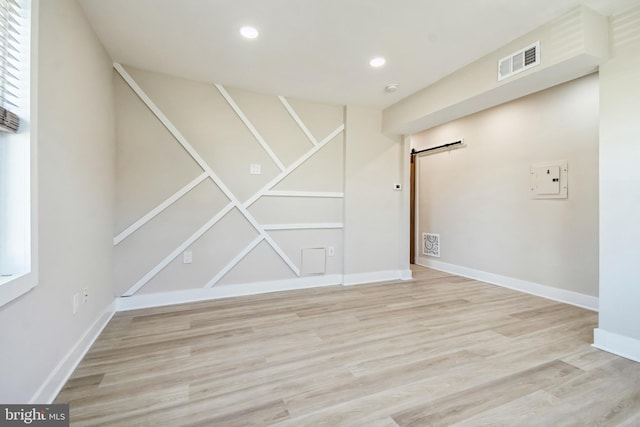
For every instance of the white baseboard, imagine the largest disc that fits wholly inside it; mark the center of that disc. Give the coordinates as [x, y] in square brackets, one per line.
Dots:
[562, 295]
[620, 345]
[406, 275]
[135, 302]
[375, 276]
[61, 373]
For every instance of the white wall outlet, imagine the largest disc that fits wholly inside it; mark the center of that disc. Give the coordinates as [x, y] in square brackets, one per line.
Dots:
[331, 251]
[76, 300]
[85, 295]
[397, 187]
[255, 169]
[187, 257]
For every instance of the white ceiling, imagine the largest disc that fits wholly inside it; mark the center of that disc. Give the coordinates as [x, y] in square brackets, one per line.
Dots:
[318, 49]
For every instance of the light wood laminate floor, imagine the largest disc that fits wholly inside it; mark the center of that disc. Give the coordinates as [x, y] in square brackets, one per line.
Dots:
[438, 350]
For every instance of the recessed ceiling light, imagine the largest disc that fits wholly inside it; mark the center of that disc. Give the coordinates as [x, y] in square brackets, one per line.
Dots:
[378, 61]
[249, 32]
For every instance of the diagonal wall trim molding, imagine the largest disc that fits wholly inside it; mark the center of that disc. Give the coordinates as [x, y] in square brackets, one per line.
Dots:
[158, 209]
[297, 119]
[293, 166]
[164, 120]
[268, 238]
[205, 166]
[174, 131]
[327, 194]
[195, 236]
[304, 226]
[250, 126]
[234, 261]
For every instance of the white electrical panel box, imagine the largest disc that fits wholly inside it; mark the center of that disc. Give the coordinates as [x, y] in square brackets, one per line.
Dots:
[549, 180]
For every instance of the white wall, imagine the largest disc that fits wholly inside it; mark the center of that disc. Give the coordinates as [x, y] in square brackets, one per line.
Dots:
[374, 211]
[360, 165]
[619, 328]
[105, 161]
[478, 198]
[153, 164]
[75, 200]
[571, 46]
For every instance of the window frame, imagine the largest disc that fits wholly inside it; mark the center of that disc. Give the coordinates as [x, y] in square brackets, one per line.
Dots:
[12, 287]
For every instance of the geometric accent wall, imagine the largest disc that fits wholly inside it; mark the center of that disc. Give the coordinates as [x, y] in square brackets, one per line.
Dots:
[242, 181]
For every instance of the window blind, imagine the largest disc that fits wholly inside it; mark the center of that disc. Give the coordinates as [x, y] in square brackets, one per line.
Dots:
[10, 67]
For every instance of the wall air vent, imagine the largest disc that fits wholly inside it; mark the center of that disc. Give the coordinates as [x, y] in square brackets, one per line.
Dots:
[431, 244]
[519, 61]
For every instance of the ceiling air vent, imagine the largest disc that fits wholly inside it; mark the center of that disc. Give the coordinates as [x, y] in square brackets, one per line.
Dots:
[519, 61]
